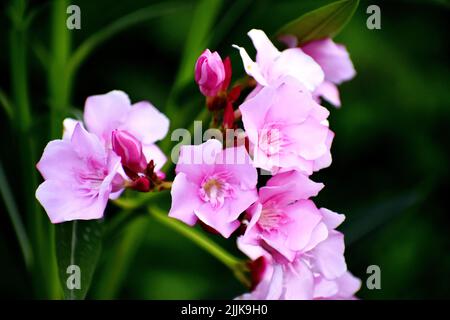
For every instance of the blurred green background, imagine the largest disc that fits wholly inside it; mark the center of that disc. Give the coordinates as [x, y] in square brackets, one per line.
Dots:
[390, 173]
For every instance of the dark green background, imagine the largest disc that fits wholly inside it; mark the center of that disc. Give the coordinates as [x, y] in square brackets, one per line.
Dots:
[390, 172]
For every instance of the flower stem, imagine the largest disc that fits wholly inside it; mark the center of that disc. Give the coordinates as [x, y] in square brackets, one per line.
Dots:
[236, 265]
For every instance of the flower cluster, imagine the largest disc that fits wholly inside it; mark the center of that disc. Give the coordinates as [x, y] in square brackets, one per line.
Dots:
[113, 149]
[295, 249]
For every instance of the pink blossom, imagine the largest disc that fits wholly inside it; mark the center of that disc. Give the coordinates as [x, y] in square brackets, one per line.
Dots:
[283, 221]
[318, 271]
[80, 174]
[287, 129]
[213, 185]
[335, 63]
[210, 73]
[296, 281]
[113, 111]
[271, 64]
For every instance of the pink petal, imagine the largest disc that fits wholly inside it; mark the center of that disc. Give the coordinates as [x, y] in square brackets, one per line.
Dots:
[62, 204]
[238, 164]
[333, 58]
[329, 92]
[146, 123]
[299, 281]
[68, 127]
[331, 219]
[184, 200]
[299, 185]
[153, 152]
[348, 285]
[219, 220]
[329, 256]
[294, 62]
[106, 112]
[266, 51]
[197, 161]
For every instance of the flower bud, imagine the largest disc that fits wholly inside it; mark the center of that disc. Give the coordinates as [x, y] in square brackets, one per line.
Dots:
[209, 73]
[129, 149]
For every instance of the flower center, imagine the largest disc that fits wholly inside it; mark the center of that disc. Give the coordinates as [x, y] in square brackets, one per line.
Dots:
[91, 179]
[271, 140]
[272, 218]
[214, 189]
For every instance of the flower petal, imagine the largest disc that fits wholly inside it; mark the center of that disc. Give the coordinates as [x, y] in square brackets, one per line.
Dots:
[106, 112]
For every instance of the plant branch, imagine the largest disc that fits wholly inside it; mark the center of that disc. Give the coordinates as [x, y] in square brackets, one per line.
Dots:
[236, 265]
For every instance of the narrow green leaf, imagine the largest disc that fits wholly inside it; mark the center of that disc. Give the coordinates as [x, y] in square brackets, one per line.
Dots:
[324, 22]
[202, 21]
[120, 254]
[16, 219]
[78, 243]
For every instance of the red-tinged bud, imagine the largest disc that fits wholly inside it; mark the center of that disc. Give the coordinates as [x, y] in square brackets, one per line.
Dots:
[141, 184]
[129, 149]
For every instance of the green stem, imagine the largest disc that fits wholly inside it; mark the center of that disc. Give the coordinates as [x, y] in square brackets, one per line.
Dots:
[40, 230]
[236, 265]
[59, 82]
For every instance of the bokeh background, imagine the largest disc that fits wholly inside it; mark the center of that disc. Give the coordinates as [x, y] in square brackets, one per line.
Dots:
[390, 173]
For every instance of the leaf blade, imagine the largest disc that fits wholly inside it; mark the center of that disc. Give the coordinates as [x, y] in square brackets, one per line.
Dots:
[326, 21]
[78, 243]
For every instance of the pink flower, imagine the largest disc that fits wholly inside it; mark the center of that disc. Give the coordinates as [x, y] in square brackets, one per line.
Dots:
[213, 185]
[296, 281]
[336, 64]
[113, 111]
[271, 64]
[80, 174]
[283, 222]
[210, 73]
[318, 271]
[287, 129]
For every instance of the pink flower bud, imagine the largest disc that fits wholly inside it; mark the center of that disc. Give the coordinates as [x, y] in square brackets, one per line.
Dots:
[209, 73]
[129, 149]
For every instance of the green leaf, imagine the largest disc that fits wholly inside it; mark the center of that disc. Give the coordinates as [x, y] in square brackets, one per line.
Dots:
[202, 22]
[78, 243]
[324, 22]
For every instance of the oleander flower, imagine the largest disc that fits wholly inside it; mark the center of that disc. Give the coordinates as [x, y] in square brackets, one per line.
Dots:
[318, 271]
[80, 174]
[213, 185]
[296, 281]
[211, 73]
[113, 111]
[284, 221]
[287, 129]
[271, 64]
